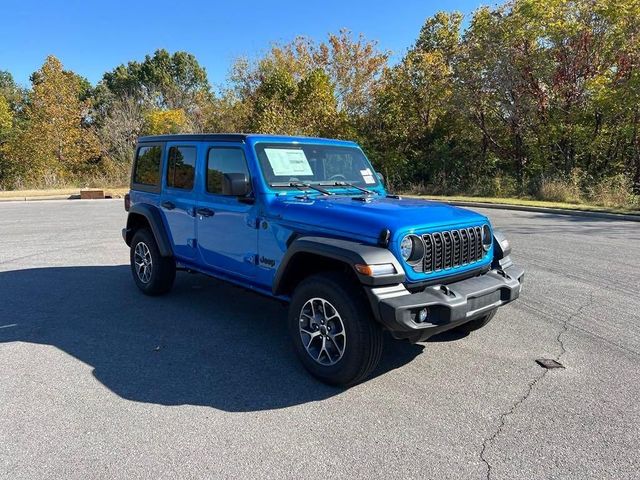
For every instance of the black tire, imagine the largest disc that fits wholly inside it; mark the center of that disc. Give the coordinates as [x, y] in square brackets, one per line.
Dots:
[476, 324]
[362, 347]
[162, 273]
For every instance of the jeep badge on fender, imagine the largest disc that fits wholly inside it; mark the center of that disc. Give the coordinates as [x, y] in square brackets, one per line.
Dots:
[309, 222]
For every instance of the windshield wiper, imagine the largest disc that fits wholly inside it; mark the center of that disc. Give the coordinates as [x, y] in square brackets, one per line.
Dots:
[301, 186]
[347, 184]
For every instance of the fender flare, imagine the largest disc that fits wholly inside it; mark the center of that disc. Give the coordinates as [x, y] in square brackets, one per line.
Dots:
[154, 218]
[346, 251]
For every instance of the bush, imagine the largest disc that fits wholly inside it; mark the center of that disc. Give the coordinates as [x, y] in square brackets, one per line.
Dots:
[615, 191]
[562, 189]
[498, 185]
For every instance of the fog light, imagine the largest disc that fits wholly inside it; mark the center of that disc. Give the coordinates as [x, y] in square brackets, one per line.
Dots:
[422, 315]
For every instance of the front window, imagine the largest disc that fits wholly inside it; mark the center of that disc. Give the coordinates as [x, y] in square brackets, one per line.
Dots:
[221, 160]
[322, 165]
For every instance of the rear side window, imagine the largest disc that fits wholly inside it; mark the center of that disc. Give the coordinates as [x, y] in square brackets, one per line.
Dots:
[181, 168]
[147, 169]
[221, 160]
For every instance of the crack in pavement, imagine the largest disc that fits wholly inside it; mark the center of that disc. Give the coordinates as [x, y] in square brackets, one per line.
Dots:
[565, 325]
[503, 417]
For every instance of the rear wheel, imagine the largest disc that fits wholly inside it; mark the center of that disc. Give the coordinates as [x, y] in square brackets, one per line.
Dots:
[153, 273]
[476, 324]
[332, 329]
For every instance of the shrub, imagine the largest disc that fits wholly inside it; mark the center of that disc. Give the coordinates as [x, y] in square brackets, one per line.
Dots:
[615, 191]
[561, 189]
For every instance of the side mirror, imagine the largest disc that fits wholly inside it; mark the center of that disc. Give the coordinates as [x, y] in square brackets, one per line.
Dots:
[380, 177]
[235, 184]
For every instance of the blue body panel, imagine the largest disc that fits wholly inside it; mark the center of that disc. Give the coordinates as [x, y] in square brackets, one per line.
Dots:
[245, 242]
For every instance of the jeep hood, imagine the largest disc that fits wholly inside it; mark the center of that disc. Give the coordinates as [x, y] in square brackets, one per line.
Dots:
[355, 216]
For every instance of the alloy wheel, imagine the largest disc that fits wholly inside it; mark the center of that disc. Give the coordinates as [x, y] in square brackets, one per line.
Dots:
[143, 261]
[322, 331]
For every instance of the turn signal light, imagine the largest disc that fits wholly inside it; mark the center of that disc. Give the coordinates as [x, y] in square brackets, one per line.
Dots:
[376, 270]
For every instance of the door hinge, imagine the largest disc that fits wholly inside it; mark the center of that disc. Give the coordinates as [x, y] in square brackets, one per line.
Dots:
[251, 258]
[253, 222]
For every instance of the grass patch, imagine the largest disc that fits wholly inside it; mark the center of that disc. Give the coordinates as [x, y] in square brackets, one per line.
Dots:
[53, 192]
[531, 203]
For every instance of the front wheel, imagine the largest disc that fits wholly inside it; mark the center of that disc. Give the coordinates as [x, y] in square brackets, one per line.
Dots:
[332, 329]
[153, 273]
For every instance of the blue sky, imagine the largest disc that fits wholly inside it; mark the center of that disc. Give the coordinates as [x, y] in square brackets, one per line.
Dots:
[91, 37]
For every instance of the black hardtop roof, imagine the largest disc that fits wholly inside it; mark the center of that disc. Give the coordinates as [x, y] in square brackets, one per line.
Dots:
[241, 137]
[195, 137]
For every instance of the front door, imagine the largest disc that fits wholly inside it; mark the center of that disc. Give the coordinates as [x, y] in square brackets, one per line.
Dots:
[226, 225]
[178, 199]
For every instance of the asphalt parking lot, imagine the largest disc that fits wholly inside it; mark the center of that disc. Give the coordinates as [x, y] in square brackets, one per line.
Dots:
[99, 381]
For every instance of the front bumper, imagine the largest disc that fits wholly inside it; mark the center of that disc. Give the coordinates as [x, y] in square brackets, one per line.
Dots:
[447, 305]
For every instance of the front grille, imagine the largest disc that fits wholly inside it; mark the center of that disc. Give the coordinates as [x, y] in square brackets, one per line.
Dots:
[450, 249]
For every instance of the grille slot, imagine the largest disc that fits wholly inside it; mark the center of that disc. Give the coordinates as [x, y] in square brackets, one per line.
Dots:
[451, 249]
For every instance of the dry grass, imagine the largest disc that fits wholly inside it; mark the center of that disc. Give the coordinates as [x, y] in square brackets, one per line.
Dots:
[56, 192]
[576, 190]
[534, 203]
[563, 191]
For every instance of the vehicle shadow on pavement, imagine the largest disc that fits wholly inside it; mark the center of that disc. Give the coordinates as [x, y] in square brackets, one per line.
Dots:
[206, 343]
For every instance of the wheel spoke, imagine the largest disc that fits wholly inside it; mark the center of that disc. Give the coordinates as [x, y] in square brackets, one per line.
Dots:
[323, 348]
[333, 340]
[319, 319]
[324, 311]
[312, 337]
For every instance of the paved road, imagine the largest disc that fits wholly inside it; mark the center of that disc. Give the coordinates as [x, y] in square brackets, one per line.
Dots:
[98, 381]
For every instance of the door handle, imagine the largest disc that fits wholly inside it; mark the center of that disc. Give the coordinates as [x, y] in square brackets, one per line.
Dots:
[205, 212]
[168, 205]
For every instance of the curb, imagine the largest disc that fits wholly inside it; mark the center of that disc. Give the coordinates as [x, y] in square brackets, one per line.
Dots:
[557, 211]
[35, 199]
[38, 198]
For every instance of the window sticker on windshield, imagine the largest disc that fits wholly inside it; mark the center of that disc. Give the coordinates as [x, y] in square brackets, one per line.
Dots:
[288, 162]
[367, 176]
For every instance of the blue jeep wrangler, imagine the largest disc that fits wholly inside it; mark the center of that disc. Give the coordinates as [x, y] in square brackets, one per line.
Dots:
[308, 221]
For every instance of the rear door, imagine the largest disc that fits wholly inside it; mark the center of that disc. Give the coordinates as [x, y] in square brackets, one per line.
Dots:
[178, 200]
[226, 225]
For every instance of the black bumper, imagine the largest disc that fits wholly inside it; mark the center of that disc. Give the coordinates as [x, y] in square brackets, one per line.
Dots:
[447, 305]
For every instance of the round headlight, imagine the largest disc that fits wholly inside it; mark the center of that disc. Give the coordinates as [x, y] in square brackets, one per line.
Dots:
[412, 248]
[487, 238]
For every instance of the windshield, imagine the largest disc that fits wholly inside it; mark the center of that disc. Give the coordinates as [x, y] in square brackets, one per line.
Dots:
[283, 164]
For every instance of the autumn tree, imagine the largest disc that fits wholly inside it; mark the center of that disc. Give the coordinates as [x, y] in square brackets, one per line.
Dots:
[6, 119]
[157, 122]
[57, 142]
[306, 88]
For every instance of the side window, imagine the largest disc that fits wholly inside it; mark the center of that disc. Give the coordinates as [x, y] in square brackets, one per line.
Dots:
[147, 170]
[181, 167]
[221, 160]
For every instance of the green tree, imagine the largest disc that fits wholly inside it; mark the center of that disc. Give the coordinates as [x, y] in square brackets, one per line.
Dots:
[411, 128]
[13, 94]
[166, 80]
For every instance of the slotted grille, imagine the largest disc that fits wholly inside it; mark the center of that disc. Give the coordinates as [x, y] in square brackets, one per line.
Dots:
[450, 249]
